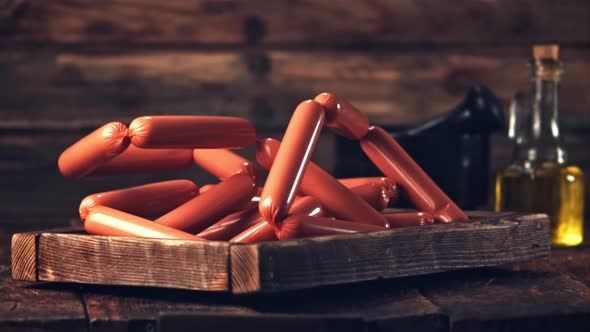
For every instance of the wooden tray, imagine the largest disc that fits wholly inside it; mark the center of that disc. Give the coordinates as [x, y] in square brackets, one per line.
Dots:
[70, 255]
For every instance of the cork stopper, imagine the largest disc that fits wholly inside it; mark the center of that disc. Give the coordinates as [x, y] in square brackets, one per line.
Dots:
[546, 52]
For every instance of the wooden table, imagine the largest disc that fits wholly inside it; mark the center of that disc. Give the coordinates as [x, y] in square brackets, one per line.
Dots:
[538, 295]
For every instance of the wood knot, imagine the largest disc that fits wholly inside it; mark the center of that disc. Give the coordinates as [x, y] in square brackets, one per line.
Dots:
[218, 7]
[254, 29]
[258, 64]
[102, 28]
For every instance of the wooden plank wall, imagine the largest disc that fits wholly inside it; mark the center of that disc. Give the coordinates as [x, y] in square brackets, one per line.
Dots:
[69, 66]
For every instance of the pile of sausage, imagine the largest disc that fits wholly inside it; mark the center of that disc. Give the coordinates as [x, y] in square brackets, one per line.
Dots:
[299, 199]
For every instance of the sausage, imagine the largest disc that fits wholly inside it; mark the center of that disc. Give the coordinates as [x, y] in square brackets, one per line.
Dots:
[229, 196]
[372, 193]
[104, 220]
[235, 223]
[224, 163]
[309, 206]
[147, 200]
[260, 232]
[336, 199]
[177, 132]
[264, 231]
[92, 151]
[291, 161]
[137, 160]
[342, 117]
[206, 187]
[256, 198]
[353, 182]
[403, 219]
[390, 188]
[305, 226]
[232, 224]
[397, 165]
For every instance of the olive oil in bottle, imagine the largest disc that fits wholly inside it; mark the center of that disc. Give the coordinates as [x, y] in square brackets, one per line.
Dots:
[540, 179]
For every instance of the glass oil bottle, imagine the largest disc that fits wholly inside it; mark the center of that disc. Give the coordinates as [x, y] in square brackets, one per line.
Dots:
[540, 179]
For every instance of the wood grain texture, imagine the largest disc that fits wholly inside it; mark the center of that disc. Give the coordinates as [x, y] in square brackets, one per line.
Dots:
[506, 300]
[380, 305]
[257, 322]
[528, 296]
[138, 308]
[132, 261]
[244, 267]
[289, 265]
[312, 262]
[317, 23]
[6, 232]
[24, 249]
[384, 305]
[24, 256]
[38, 307]
[47, 90]
[571, 261]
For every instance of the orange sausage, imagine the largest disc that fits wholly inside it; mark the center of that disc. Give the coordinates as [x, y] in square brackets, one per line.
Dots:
[232, 224]
[202, 211]
[260, 232]
[387, 182]
[342, 117]
[147, 200]
[291, 161]
[256, 198]
[403, 219]
[92, 151]
[235, 223]
[373, 193]
[309, 206]
[306, 226]
[205, 187]
[395, 162]
[336, 199]
[390, 188]
[264, 231]
[224, 163]
[103, 220]
[137, 160]
[177, 132]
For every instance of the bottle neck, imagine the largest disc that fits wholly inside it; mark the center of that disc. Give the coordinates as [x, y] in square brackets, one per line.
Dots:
[539, 142]
[545, 110]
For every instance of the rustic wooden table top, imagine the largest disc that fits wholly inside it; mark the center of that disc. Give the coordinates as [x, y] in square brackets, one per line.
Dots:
[540, 295]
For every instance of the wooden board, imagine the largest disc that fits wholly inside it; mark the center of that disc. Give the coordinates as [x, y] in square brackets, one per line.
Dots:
[320, 23]
[536, 301]
[289, 265]
[137, 308]
[486, 299]
[487, 239]
[51, 90]
[38, 307]
[81, 258]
